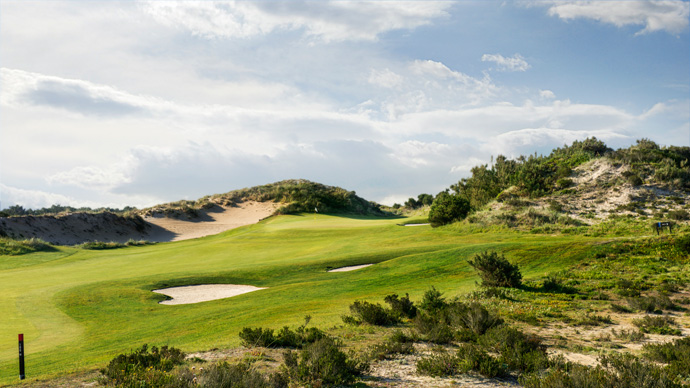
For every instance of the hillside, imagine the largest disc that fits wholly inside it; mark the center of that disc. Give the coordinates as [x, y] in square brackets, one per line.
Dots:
[581, 186]
[187, 219]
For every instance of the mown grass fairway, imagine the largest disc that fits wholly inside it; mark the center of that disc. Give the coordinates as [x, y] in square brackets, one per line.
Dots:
[78, 308]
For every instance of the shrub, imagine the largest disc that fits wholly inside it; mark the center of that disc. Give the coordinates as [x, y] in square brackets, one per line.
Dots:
[100, 245]
[438, 365]
[518, 350]
[657, 325]
[373, 314]
[285, 338]
[627, 288]
[434, 328]
[593, 320]
[13, 247]
[495, 270]
[615, 371]
[675, 354]
[402, 307]
[433, 301]
[143, 367]
[555, 284]
[679, 215]
[257, 337]
[478, 319]
[448, 208]
[322, 363]
[620, 308]
[240, 375]
[397, 343]
[472, 357]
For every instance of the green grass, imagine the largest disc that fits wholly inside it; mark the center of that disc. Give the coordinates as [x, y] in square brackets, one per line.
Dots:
[79, 308]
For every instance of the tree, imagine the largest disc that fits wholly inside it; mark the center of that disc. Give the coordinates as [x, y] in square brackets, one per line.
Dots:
[448, 208]
[495, 270]
[425, 199]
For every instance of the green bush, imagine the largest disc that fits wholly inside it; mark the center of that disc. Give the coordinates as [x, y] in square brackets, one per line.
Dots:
[240, 375]
[373, 314]
[396, 343]
[518, 350]
[615, 371]
[495, 270]
[402, 307]
[472, 357]
[286, 338]
[448, 208]
[433, 301]
[657, 325]
[143, 367]
[322, 363]
[434, 328]
[100, 245]
[555, 284]
[676, 354]
[438, 365]
[13, 247]
[476, 318]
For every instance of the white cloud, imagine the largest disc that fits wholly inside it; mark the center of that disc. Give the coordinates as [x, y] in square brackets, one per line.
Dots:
[542, 140]
[667, 15]
[414, 153]
[22, 88]
[324, 21]
[514, 63]
[385, 78]
[31, 199]
[547, 94]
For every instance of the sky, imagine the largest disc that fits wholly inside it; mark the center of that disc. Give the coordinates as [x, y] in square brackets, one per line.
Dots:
[134, 103]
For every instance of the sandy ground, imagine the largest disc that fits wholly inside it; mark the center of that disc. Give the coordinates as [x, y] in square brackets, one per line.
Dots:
[350, 268]
[72, 229]
[204, 292]
[214, 221]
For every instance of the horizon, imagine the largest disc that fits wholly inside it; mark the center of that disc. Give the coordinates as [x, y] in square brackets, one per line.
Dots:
[114, 104]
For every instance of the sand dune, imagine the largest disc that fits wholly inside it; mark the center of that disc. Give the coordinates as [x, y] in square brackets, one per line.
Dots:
[213, 221]
[72, 229]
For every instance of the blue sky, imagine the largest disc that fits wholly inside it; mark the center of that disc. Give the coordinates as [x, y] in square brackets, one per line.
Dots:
[107, 103]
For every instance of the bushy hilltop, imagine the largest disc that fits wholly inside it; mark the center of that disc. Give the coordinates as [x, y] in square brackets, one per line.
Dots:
[581, 184]
[296, 195]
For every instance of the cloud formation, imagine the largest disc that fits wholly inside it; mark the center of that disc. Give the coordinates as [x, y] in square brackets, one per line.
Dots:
[662, 15]
[325, 21]
[514, 63]
[182, 99]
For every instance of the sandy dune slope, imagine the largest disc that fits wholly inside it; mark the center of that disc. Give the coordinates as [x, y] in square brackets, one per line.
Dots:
[209, 222]
[71, 229]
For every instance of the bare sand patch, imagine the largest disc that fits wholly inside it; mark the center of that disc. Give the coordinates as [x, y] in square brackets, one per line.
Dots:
[350, 268]
[204, 292]
[417, 224]
[211, 222]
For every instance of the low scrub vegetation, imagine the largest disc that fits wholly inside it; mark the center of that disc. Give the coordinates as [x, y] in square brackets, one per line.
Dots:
[12, 247]
[495, 270]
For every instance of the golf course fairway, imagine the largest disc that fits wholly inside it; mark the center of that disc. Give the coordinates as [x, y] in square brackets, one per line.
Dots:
[79, 308]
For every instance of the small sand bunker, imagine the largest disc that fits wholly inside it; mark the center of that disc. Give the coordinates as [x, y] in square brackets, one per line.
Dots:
[204, 292]
[417, 224]
[350, 268]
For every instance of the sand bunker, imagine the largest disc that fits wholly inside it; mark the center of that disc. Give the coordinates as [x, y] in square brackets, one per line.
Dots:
[204, 292]
[350, 268]
[417, 224]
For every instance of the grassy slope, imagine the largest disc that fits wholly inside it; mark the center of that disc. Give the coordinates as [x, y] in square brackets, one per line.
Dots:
[78, 308]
